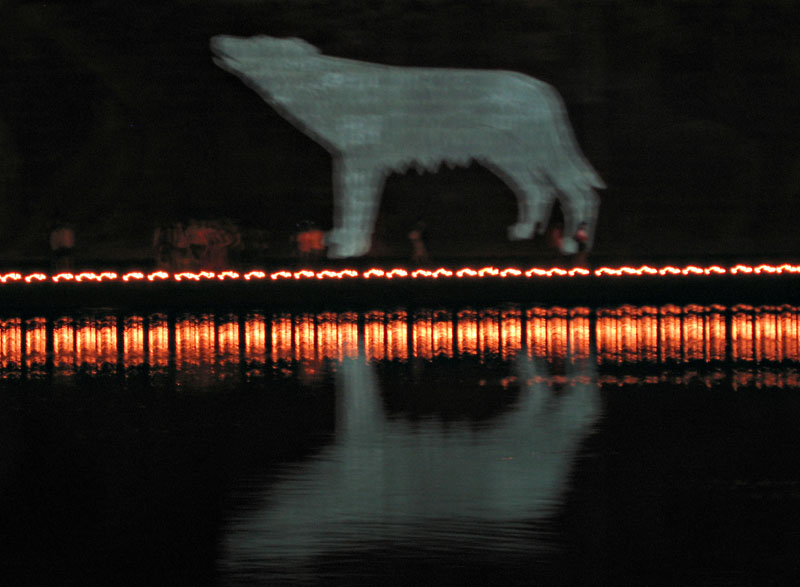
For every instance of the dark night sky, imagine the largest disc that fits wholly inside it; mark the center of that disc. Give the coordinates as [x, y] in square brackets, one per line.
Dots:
[113, 116]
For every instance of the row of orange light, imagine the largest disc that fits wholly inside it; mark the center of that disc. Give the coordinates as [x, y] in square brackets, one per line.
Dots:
[373, 273]
[623, 335]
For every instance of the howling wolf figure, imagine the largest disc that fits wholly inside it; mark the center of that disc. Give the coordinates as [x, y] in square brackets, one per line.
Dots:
[375, 119]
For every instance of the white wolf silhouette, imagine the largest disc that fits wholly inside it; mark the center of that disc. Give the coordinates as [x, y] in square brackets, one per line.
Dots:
[375, 119]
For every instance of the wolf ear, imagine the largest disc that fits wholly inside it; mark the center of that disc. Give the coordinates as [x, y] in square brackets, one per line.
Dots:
[302, 47]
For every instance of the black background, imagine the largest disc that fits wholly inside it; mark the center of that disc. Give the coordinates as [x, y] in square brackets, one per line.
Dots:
[114, 117]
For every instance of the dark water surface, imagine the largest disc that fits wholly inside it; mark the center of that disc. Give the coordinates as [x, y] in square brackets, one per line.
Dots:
[504, 445]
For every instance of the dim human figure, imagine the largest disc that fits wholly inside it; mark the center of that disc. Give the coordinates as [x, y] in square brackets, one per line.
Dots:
[62, 243]
[310, 242]
[419, 253]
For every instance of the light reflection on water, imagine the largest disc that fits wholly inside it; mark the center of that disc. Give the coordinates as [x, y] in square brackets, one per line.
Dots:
[203, 348]
[440, 436]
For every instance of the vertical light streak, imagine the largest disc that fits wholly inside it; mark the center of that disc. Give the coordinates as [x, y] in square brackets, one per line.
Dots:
[715, 334]
[442, 334]
[579, 333]
[742, 334]
[489, 333]
[348, 335]
[63, 346]
[107, 349]
[537, 332]
[647, 334]
[158, 341]
[627, 330]
[693, 333]
[227, 346]
[467, 332]
[671, 333]
[133, 353]
[304, 337]
[375, 335]
[96, 343]
[86, 344]
[557, 338]
[36, 345]
[10, 346]
[328, 336]
[422, 335]
[255, 340]
[768, 340]
[607, 335]
[281, 333]
[510, 333]
[195, 343]
[790, 333]
[397, 336]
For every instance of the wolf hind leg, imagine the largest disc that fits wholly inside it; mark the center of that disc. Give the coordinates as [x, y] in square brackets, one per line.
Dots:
[534, 199]
[358, 184]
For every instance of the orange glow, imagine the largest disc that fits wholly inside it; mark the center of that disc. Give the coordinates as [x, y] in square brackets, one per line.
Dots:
[579, 333]
[281, 337]
[742, 334]
[228, 340]
[671, 332]
[10, 344]
[510, 333]
[608, 338]
[442, 334]
[375, 335]
[716, 334]
[441, 272]
[255, 339]
[557, 338]
[489, 333]
[304, 337]
[195, 342]
[537, 332]
[421, 335]
[693, 334]
[133, 342]
[348, 334]
[209, 346]
[432, 334]
[467, 332]
[647, 334]
[397, 336]
[96, 343]
[790, 333]
[36, 343]
[328, 335]
[158, 341]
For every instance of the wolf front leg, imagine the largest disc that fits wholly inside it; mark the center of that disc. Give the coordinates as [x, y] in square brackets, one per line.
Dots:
[580, 207]
[358, 184]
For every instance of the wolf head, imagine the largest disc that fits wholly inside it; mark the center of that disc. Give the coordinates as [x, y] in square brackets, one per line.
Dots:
[247, 55]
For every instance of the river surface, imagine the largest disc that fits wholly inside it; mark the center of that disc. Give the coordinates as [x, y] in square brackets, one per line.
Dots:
[503, 445]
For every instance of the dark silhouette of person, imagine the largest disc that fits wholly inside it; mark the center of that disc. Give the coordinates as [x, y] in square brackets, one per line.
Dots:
[62, 244]
[419, 253]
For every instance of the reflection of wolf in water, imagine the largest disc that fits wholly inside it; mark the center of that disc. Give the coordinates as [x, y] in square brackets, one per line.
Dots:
[375, 119]
[421, 481]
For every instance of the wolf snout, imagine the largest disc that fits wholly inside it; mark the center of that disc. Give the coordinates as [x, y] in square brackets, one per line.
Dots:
[220, 44]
